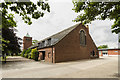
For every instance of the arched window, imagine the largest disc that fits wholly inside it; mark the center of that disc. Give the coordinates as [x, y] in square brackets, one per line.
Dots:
[82, 38]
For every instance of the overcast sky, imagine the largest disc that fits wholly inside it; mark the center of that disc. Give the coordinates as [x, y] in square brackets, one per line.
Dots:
[60, 18]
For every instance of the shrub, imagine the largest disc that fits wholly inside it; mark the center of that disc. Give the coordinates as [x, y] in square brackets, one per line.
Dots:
[26, 55]
[18, 54]
[34, 54]
[27, 52]
[29, 56]
[23, 52]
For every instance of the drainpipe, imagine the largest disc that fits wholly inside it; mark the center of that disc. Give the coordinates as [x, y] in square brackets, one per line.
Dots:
[52, 54]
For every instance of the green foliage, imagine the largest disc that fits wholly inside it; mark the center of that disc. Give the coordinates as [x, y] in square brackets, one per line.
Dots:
[23, 52]
[3, 59]
[90, 11]
[34, 41]
[102, 46]
[34, 54]
[29, 56]
[26, 55]
[4, 45]
[26, 10]
[10, 42]
[19, 54]
[27, 52]
[23, 9]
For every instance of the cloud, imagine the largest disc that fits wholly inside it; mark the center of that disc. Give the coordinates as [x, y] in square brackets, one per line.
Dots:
[60, 18]
[101, 33]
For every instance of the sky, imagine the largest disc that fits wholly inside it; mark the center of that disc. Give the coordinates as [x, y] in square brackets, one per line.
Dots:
[60, 18]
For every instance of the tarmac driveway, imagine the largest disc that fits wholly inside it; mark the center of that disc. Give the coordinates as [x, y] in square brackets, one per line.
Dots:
[104, 67]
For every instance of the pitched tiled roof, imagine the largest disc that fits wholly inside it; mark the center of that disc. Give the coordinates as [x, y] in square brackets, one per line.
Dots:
[56, 37]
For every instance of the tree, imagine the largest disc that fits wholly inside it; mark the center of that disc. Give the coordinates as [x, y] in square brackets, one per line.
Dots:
[11, 43]
[98, 10]
[34, 41]
[102, 46]
[26, 10]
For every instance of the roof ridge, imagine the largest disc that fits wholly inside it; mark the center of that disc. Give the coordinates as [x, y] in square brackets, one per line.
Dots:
[59, 32]
[58, 36]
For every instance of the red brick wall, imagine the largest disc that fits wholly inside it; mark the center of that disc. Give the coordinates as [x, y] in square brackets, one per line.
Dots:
[40, 56]
[27, 43]
[48, 54]
[113, 52]
[53, 54]
[101, 53]
[69, 47]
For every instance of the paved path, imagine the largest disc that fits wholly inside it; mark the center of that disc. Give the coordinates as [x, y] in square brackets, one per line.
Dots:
[106, 67]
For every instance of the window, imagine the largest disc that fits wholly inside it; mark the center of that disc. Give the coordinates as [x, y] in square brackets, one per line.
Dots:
[43, 43]
[82, 38]
[115, 51]
[49, 41]
[105, 52]
[40, 45]
[28, 39]
[93, 53]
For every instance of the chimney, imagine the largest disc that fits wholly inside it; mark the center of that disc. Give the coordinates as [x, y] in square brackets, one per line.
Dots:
[87, 27]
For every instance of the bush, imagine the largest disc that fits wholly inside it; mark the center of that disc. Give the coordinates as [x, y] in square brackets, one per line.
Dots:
[27, 53]
[34, 54]
[19, 54]
[23, 52]
[29, 56]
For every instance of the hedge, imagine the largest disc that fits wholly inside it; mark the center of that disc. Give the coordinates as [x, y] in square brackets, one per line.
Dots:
[27, 53]
[23, 52]
[31, 54]
[34, 54]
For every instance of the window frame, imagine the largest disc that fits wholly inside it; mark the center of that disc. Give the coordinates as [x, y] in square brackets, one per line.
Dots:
[43, 43]
[49, 42]
[85, 40]
[40, 45]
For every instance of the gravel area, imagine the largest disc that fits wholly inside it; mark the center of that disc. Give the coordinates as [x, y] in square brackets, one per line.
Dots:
[19, 67]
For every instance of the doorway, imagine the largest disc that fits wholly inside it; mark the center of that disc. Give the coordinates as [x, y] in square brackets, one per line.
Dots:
[43, 55]
[105, 53]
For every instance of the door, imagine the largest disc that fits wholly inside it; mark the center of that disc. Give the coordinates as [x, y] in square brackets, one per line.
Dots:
[43, 55]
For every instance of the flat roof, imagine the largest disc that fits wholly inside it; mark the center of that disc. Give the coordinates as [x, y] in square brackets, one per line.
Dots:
[109, 49]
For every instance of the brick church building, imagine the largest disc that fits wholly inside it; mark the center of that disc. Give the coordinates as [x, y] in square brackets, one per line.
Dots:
[74, 43]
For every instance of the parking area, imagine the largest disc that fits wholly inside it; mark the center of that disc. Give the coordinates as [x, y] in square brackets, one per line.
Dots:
[19, 67]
